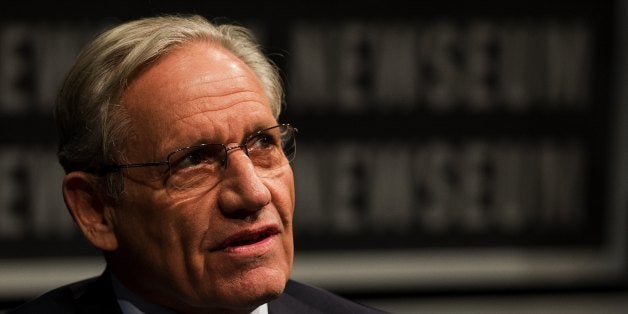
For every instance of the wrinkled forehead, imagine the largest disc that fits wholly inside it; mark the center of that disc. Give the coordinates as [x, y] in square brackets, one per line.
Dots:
[195, 70]
[198, 84]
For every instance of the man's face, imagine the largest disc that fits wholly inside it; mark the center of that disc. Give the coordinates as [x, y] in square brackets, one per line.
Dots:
[230, 246]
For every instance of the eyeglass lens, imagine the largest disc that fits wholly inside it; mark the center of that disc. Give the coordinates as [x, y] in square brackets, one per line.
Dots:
[200, 166]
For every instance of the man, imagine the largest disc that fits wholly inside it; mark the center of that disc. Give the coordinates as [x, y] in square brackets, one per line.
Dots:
[177, 169]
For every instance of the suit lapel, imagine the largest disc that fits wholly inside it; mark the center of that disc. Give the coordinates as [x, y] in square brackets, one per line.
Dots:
[292, 300]
[287, 304]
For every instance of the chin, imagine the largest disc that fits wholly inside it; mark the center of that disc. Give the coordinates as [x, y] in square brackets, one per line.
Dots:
[237, 297]
[268, 285]
[255, 289]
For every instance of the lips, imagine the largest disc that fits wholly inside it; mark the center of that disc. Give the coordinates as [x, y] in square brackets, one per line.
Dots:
[247, 238]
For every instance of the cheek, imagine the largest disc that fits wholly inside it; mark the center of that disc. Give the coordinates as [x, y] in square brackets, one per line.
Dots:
[283, 195]
[138, 226]
[163, 240]
[284, 200]
[152, 223]
[290, 187]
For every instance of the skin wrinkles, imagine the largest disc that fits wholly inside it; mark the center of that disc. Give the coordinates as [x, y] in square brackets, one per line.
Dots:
[155, 177]
[168, 237]
[214, 85]
[189, 98]
[238, 97]
[222, 99]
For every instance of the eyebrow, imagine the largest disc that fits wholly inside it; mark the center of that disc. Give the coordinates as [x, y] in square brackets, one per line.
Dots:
[206, 140]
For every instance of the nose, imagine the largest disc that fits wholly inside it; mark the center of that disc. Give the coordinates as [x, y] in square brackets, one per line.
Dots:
[242, 192]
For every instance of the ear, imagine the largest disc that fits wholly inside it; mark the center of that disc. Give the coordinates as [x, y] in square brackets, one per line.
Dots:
[90, 210]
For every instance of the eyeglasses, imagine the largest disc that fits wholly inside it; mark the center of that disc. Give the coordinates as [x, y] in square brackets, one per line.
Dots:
[200, 165]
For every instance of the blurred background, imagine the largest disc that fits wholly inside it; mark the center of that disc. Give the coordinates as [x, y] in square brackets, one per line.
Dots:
[453, 156]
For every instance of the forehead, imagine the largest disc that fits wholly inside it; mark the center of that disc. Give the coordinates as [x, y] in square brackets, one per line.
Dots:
[196, 89]
[193, 71]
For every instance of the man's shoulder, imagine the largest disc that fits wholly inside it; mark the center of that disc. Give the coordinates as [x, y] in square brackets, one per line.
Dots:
[302, 298]
[80, 297]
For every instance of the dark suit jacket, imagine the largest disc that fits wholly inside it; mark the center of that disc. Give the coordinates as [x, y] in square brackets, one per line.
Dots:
[95, 296]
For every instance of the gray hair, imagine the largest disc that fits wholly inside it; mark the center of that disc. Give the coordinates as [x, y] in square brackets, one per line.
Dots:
[93, 127]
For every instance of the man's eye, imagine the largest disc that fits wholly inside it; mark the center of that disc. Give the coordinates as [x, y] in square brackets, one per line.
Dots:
[194, 158]
[261, 141]
[200, 156]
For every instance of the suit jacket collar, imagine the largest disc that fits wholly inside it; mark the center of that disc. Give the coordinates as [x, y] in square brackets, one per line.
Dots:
[97, 297]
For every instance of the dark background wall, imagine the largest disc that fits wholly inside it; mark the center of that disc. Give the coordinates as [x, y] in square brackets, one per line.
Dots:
[452, 156]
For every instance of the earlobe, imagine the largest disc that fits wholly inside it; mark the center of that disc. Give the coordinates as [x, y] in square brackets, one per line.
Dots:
[90, 210]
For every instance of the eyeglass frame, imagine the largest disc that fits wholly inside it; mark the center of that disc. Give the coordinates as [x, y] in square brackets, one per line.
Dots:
[117, 167]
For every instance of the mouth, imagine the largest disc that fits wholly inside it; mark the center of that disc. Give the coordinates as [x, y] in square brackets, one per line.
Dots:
[248, 239]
